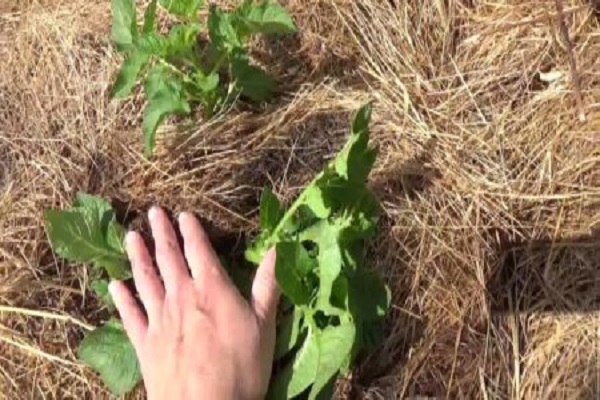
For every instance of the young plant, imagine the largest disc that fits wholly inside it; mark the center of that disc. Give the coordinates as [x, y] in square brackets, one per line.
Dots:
[178, 71]
[88, 232]
[335, 305]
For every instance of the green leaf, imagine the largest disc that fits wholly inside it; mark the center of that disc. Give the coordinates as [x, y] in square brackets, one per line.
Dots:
[180, 42]
[182, 8]
[362, 118]
[111, 230]
[291, 266]
[289, 333]
[299, 373]
[124, 28]
[368, 302]
[266, 18]
[206, 83]
[103, 207]
[320, 243]
[108, 351]
[153, 43]
[205, 89]
[251, 80]
[115, 236]
[314, 198]
[156, 80]
[335, 345]
[369, 298]
[222, 32]
[165, 97]
[271, 210]
[182, 39]
[328, 391]
[89, 233]
[150, 18]
[100, 287]
[330, 265]
[128, 74]
[255, 250]
[356, 159]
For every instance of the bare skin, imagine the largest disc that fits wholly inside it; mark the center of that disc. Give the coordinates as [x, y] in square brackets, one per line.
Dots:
[198, 337]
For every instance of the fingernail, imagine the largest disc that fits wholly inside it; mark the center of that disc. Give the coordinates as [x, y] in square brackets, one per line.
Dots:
[182, 215]
[112, 288]
[153, 212]
[129, 237]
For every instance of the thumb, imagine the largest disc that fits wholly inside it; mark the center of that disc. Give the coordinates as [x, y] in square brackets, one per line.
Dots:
[265, 292]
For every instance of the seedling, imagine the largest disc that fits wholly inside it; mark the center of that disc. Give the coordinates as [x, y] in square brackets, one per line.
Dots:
[88, 232]
[334, 306]
[178, 71]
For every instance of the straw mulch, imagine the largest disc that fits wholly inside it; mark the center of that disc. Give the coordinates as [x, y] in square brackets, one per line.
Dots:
[488, 175]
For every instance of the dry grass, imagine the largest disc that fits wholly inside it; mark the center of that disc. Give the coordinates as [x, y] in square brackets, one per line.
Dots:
[490, 183]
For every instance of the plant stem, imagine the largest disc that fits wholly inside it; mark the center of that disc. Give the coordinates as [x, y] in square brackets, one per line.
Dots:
[218, 64]
[293, 208]
[173, 68]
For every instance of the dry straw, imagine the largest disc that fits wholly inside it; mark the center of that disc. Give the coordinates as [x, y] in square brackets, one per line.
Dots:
[488, 178]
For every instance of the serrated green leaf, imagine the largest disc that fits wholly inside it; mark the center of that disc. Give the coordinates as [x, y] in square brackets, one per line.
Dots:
[100, 287]
[180, 41]
[356, 159]
[108, 351]
[165, 97]
[156, 80]
[271, 210]
[205, 89]
[335, 345]
[88, 233]
[291, 266]
[266, 18]
[360, 209]
[124, 28]
[206, 83]
[153, 43]
[128, 74]
[299, 373]
[251, 80]
[182, 8]
[289, 332]
[150, 18]
[223, 34]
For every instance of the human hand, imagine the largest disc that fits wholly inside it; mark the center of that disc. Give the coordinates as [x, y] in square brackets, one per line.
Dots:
[199, 338]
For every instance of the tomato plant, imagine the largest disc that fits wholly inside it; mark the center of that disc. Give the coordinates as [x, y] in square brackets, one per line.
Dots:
[178, 71]
[333, 306]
